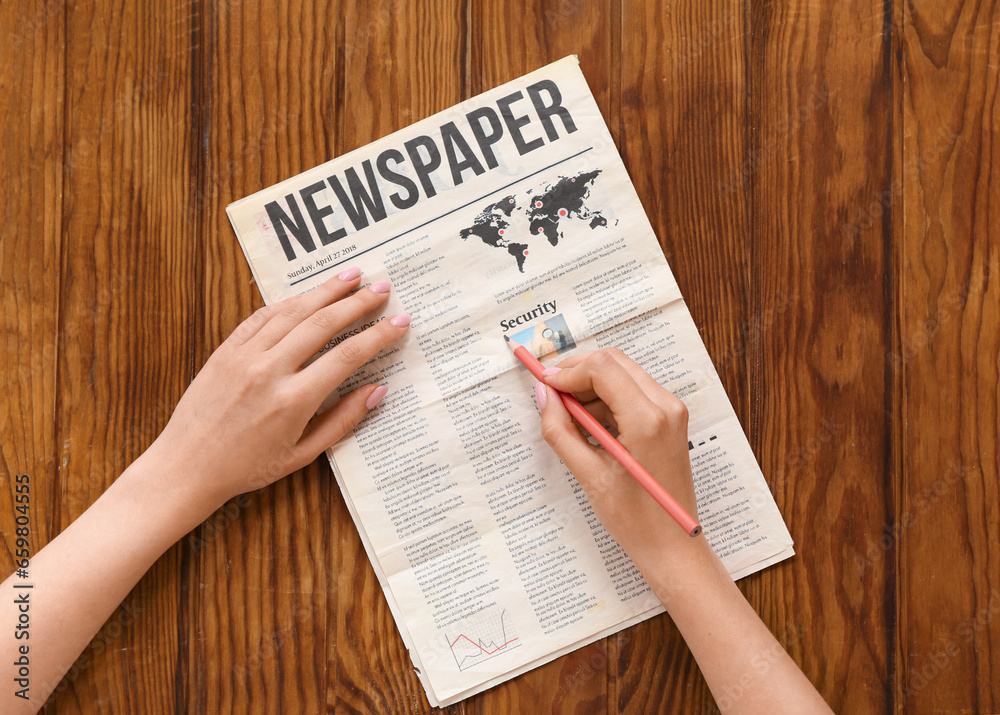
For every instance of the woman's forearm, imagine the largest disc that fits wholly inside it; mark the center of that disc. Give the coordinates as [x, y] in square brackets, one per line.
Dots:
[80, 578]
[248, 419]
[746, 668]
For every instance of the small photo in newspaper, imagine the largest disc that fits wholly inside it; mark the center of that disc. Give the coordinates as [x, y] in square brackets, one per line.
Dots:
[549, 337]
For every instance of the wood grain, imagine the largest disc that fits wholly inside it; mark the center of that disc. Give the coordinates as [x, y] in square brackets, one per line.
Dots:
[948, 360]
[683, 142]
[822, 178]
[31, 172]
[125, 312]
[822, 96]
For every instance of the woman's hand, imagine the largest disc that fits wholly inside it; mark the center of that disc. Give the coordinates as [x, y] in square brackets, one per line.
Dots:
[246, 420]
[248, 417]
[726, 637]
[652, 426]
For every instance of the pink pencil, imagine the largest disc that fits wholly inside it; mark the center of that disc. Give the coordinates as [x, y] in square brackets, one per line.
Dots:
[612, 445]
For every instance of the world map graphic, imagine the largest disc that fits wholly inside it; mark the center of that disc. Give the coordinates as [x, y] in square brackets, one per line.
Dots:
[545, 213]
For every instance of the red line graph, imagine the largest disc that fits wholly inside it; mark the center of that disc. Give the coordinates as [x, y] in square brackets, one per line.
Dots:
[487, 652]
[487, 631]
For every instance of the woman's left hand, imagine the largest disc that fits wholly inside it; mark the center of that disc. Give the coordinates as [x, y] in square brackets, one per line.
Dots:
[249, 419]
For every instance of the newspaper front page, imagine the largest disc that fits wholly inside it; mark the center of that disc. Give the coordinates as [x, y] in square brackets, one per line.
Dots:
[509, 214]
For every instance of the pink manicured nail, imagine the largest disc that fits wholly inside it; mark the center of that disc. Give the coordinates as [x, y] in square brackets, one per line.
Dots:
[376, 397]
[400, 321]
[551, 370]
[350, 274]
[380, 287]
[541, 395]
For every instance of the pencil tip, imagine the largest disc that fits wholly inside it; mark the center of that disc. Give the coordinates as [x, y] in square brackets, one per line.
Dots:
[506, 338]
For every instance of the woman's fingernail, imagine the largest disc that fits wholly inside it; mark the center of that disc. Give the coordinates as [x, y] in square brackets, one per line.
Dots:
[380, 287]
[400, 321]
[551, 370]
[541, 396]
[350, 274]
[376, 397]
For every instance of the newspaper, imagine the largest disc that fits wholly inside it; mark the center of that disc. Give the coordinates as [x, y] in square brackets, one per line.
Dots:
[509, 214]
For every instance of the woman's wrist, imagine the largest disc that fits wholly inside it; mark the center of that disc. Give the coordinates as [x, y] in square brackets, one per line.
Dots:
[681, 570]
[177, 496]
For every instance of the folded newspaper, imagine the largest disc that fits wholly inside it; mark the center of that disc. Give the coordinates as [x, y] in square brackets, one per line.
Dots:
[508, 214]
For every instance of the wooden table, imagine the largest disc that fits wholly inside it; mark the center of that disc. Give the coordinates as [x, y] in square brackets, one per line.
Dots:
[825, 182]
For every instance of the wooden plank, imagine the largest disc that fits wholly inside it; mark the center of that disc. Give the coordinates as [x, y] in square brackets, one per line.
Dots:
[126, 304]
[820, 123]
[548, 30]
[271, 102]
[401, 62]
[31, 172]
[949, 359]
[683, 141]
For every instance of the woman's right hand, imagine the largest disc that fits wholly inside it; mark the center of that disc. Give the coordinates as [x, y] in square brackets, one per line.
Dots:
[746, 668]
[652, 426]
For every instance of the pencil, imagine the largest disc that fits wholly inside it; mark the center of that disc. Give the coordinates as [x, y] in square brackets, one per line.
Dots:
[611, 445]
